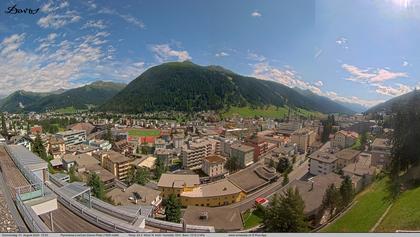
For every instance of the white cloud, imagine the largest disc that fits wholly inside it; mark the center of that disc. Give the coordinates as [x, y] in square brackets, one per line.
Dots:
[126, 17]
[367, 76]
[99, 24]
[256, 14]
[318, 53]
[221, 54]
[405, 64]
[163, 52]
[341, 41]
[57, 21]
[319, 83]
[290, 78]
[392, 91]
[255, 57]
[61, 64]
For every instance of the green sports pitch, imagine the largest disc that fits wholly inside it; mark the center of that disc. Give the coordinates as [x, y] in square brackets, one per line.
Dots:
[143, 132]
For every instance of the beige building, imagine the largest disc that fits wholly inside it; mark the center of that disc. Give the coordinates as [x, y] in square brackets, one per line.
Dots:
[322, 163]
[244, 154]
[116, 163]
[194, 153]
[346, 157]
[303, 138]
[344, 139]
[56, 147]
[213, 165]
[177, 183]
[381, 152]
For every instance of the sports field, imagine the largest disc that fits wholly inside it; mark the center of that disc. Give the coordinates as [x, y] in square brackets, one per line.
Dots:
[138, 132]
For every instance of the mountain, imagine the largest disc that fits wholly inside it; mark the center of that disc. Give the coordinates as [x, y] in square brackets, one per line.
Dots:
[80, 98]
[388, 105]
[18, 100]
[358, 108]
[185, 86]
[326, 104]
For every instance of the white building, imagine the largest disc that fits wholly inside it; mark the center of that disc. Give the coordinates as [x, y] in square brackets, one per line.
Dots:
[194, 153]
[73, 137]
[322, 163]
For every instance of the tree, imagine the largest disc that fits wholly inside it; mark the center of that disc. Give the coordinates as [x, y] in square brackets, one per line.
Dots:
[3, 126]
[285, 179]
[363, 140]
[98, 189]
[285, 213]
[232, 164]
[160, 167]
[38, 148]
[142, 176]
[131, 176]
[108, 134]
[346, 191]
[72, 175]
[173, 209]
[283, 165]
[331, 200]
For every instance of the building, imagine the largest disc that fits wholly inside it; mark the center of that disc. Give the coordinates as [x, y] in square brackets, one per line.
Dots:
[80, 162]
[36, 129]
[344, 139]
[346, 157]
[243, 153]
[160, 143]
[178, 140]
[259, 144]
[215, 194]
[177, 183]
[362, 173]
[107, 178]
[313, 190]
[56, 147]
[87, 127]
[286, 151]
[381, 152]
[116, 163]
[148, 162]
[194, 153]
[146, 196]
[103, 145]
[303, 138]
[222, 219]
[25, 141]
[164, 154]
[322, 163]
[213, 166]
[72, 137]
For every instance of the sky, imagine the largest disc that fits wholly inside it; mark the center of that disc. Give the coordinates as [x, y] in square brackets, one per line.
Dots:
[358, 51]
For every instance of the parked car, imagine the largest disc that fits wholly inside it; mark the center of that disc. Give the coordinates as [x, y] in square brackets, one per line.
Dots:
[261, 201]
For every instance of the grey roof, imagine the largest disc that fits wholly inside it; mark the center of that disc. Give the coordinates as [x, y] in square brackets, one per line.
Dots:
[347, 154]
[242, 147]
[322, 156]
[74, 189]
[26, 158]
[227, 219]
[178, 180]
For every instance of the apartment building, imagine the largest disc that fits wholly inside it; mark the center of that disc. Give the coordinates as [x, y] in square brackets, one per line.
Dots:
[72, 137]
[259, 144]
[213, 166]
[303, 138]
[176, 184]
[116, 163]
[194, 153]
[346, 157]
[244, 154]
[322, 163]
[56, 147]
[344, 139]
[381, 152]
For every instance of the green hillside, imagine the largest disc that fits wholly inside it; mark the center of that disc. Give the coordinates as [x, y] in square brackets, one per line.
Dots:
[188, 87]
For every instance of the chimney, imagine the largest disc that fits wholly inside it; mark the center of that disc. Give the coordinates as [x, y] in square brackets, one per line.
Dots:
[312, 185]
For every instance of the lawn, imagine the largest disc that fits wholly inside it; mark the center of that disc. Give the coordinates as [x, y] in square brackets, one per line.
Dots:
[252, 219]
[143, 132]
[67, 110]
[370, 206]
[404, 214]
[267, 112]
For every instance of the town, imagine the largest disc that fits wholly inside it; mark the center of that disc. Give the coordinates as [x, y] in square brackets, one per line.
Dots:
[207, 173]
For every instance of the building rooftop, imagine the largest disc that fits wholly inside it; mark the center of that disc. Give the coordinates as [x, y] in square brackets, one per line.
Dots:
[222, 219]
[26, 158]
[322, 156]
[215, 159]
[381, 143]
[116, 157]
[82, 160]
[347, 154]
[147, 195]
[70, 132]
[351, 134]
[242, 147]
[220, 188]
[178, 180]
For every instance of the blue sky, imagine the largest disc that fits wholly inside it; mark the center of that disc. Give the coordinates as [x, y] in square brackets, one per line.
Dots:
[352, 51]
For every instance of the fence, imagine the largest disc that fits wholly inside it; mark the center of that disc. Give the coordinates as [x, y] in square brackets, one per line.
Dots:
[31, 219]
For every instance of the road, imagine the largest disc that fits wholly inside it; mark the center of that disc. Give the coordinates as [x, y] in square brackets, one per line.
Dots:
[269, 190]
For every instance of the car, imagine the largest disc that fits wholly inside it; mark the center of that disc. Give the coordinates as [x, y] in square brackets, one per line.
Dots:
[261, 201]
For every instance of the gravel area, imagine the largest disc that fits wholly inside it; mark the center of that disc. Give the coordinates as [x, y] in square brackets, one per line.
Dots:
[7, 224]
